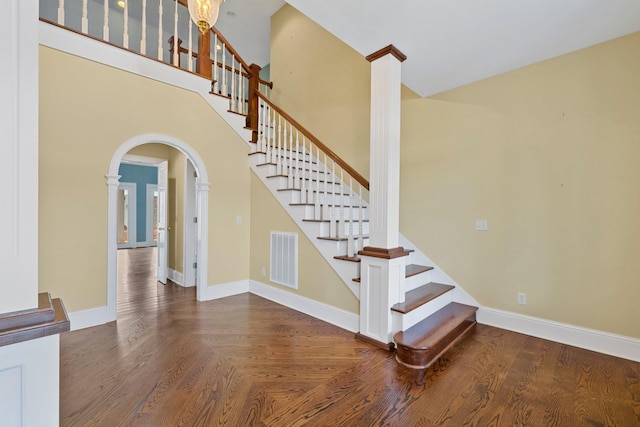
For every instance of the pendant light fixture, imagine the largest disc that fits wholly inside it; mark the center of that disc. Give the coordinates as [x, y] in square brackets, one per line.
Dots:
[204, 13]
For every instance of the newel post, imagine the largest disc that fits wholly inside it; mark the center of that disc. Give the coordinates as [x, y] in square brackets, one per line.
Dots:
[203, 62]
[383, 262]
[254, 88]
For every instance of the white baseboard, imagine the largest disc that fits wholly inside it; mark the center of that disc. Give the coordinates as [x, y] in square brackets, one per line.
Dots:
[590, 339]
[90, 317]
[336, 316]
[226, 289]
[177, 278]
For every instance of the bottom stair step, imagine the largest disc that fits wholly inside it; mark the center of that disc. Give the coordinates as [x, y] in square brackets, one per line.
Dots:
[423, 343]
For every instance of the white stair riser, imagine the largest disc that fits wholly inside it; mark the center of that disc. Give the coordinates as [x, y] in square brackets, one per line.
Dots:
[410, 283]
[402, 322]
[284, 169]
[309, 212]
[340, 247]
[344, 227]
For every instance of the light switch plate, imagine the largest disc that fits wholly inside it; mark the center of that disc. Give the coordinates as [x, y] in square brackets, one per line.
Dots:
[482, 225]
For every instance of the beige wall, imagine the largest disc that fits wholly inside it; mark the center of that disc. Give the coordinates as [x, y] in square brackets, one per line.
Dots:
[313, 74]
[548, 154]
[87, 110]
[316, 279]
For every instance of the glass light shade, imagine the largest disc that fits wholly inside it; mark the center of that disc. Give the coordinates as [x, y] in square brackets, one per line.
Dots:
[204, 13]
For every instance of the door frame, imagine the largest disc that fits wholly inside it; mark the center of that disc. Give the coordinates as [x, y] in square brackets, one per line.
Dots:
[202, 212]
[151, 188]
[132, 228]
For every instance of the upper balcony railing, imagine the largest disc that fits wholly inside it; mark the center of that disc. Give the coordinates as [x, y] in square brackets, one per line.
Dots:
[163, 30]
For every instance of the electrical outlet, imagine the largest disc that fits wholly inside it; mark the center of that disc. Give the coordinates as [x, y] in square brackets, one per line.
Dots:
[263, 271]
[238, 220]
[522, 298]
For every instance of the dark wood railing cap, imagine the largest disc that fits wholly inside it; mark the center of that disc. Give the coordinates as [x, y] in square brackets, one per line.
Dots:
[383, 252]
[391, 49]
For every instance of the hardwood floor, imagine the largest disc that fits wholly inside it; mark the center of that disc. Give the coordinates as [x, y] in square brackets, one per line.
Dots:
[245, 361]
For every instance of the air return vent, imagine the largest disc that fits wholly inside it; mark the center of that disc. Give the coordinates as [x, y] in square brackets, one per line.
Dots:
[284, 259]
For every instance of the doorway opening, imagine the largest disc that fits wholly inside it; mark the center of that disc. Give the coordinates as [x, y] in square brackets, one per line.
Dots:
[175, 214]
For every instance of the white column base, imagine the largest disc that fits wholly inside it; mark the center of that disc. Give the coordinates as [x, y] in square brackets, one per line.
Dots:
[381, 286]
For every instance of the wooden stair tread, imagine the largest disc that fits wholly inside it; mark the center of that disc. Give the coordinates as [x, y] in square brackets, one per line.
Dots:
[420, 296]
[413, 269]
[409, 270]
[328, 220]
[424, 342]
[347, 258]
[343, 239]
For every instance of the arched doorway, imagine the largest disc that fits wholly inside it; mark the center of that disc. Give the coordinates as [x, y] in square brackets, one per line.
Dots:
[201, 208]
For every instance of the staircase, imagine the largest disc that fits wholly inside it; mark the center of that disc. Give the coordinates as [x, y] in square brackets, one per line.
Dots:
[330, 209]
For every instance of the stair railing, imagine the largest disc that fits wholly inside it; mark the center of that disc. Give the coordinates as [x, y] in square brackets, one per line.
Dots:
[163, 30]
[336, 191]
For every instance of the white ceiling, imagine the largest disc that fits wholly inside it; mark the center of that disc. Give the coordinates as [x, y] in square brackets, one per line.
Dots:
[448, 43]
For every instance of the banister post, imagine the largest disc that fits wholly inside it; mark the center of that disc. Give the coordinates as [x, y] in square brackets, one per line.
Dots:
[173, 46]
[203, 62]
[382, 266]
[254, 88]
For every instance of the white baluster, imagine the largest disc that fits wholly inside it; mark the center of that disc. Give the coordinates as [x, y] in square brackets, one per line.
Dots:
[342, 204]
[240, 90]
[215, 64]
[290, 159]
[224, 71]
[176, 54]
[272, 128]
[350, 241]
[125, 27]
[360, 220]
[272, 149]
[325, 207]
[296, 181]
[105, 21]
[60, 12]
[233, 106]
[261, 128]
[190, 52]
[160, 52]
[278, 142]
[281, 151]
[263, 135]
[143, 34]
[303, 182]
[271, 136]
[85, 17]
[317, 214]
[333, 232]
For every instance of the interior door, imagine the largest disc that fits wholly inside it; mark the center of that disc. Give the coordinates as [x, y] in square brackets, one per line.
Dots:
[162, 222]
[126, 215]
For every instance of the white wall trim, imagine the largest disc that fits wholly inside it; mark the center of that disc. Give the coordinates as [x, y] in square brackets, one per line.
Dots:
[590, 339]
[227, 289]
[177, 278]
[336, 316]
[90, 317]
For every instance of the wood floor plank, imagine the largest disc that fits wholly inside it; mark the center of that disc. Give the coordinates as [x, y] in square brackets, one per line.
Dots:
[170, 360]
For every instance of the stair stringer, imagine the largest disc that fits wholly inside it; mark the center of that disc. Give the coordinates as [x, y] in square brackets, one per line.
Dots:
[328, 249]
[459, 295]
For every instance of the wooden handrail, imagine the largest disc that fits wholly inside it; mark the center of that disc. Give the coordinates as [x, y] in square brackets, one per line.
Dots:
[333, 156]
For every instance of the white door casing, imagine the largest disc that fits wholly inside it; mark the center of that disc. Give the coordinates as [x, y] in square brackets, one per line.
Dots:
[202, 212]
[131, 215]
[163, 170]
[151, 189]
